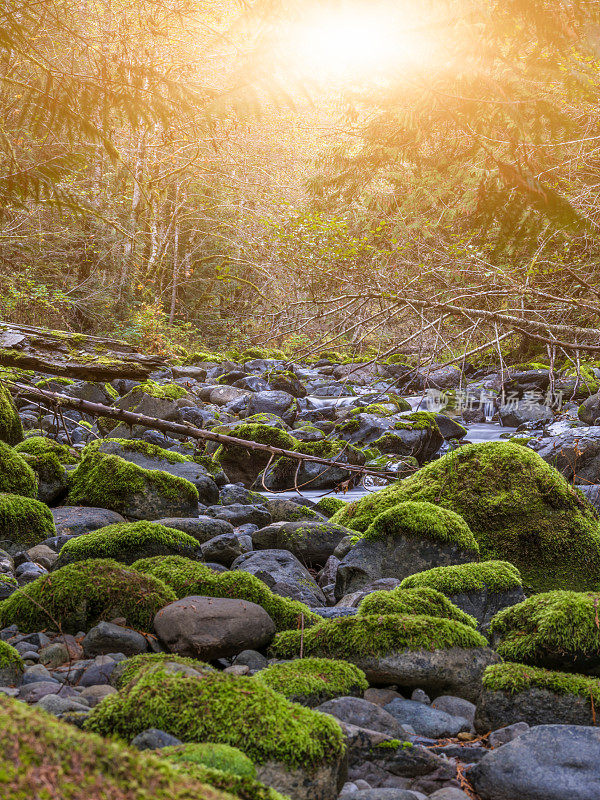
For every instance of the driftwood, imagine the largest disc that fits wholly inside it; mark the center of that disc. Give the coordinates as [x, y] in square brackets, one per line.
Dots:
[72, 355]
[53, 400]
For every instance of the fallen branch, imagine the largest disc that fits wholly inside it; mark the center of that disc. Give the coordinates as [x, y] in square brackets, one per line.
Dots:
[57, 401]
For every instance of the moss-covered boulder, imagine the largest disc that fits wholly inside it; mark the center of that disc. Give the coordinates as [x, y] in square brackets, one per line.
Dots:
[108, 481]
[128, 669]
[422, 600]
[128, 542]
[560, 630]
[286, 473]
[408, 537]
[438, 655]
[16, 476]
[11, 430]
[479, 589]
[518, 507]
[79, 595]
[48, 458]
[243, 465]
[416, 435]
[311, 542]
[187, 578]
[215, 756]
[44, 758]
[287, 742]
[522, 693]
[186, 759]
[11, 665]
[330, 505]
[24, 522]
[312, 681]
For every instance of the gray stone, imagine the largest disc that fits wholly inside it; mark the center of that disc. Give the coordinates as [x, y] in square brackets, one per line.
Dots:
[592, 493]
[522, 411]
[507, 734]
[252, 659]
[363, 714]
[283, 574]
[36, 673]
[43, 555]
[33, 692]
[589, 410]
[202, 528]
[77, 520]
[54, 704]
[352, 600]
[449, 793]
[575, 454]
[282, 509]
[224, 549]
[534, 706]
[419, 696]
[213, 627]
[425, 720]
[222, 395]
[455, 706]
[549, 762]
[311, 542]
[108, 638]
[484, 604]
[154, 739]
[95, 694]
[11, 674]
[318, 783]
[384, 793]
[279, 403]
[237, 514]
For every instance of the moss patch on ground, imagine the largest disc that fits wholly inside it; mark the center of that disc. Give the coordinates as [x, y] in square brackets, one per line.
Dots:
[512, 678]
[238, 711]
[550, 628]
[16, 476]
[79, 595]
[190, 578]
[423, 600]
[127, 542]
[353, 637]
[25, 521]
[320, 679]
[46, 759]
[519, 508]
[495, 576]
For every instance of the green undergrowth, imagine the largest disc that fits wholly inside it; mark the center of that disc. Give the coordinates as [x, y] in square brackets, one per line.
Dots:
[519, 508]
[356, 637]
[192, 578]
[422, 600]
[319, 679]
[512, 678]
[493, 576]
[79, 595]
[220, 708]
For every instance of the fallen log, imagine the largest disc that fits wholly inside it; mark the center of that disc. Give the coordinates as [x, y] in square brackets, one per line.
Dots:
[54, 400]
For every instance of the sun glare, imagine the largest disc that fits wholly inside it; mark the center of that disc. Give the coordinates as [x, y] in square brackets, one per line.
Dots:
[357, 44]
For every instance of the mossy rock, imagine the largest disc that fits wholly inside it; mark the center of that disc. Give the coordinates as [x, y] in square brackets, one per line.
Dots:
[79, 595]
[128, 669]
[244, 788]
[423, 520]
[11, 430]
[522, 693]
[245, 465]
[495, 576]
[557, 629]
[166, 391]
[312, 681]
[24, 522]
[518, 507]
[286, 473]
[45, 758]
[43, 447]
[48, 458]
[16, 476]
[128, 542]
[423, 600]
[215, 756]
[329, 505]
[191, 578]
[237, 711]
[11, 665]
[146, 449]
[108, 481]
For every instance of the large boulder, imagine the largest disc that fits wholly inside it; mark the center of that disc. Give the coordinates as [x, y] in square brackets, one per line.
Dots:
[311, 542]
[16, 476]
[407, 538]
[589, 410]
[363, 714]
[244, 465]
[282, 404]
[553, 762]
[24, 522]
[77, 520]
[310, 681]
[519, 508]
[48, 459]
[425, 720]
[213, 627]
[202, 528]
[283, 574]
[108, 481]
[522, 411]
[416, 435]
[575, 454]
[288, 473]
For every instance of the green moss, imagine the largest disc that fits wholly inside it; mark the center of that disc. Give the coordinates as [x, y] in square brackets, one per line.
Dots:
[58, 380]
[377, 409]
[420, 601]
[79, 595]
[127, 542]
[329, 505]
[215, 756]
[9, 657]
[130, 668]
[16, 476]
[43, 447]
[418, 421]
[512, 678]
[353, 637]
[144, 448]
[495, 576]
[244, 788]
[519, 508]
[548, 628]
[264, 434]
[349, 426]
[189, 577]
[425, 521]
[46, 759]
[314, 679]
[24, 521]
[237, 711]
[107, 481]
[331, 448]
[11, 430]
[111, 391]
[168, 391]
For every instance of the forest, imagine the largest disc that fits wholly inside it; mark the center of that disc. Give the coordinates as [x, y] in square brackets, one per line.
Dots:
[299, 400]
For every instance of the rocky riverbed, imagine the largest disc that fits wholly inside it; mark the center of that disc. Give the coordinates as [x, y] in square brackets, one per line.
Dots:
[250, 629]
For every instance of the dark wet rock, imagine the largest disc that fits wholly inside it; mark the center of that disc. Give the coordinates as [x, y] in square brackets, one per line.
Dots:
[484, 604]
[535, 706]
[202, 528]
[359, 712]
[237, 514]
[589, 410]
[427, 721]
[272, 402]
[77, 520]
[154, 739]
[224, 549]
[311, 542]
[283, 574]
[109, 638]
